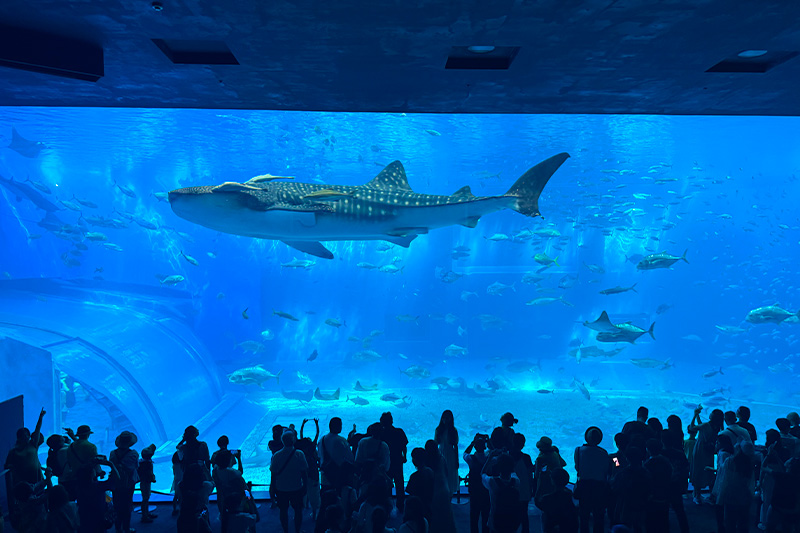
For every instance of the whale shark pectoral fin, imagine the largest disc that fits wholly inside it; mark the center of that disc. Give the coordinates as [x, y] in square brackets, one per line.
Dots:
[401, 240]
[314, 248]
[470, 222]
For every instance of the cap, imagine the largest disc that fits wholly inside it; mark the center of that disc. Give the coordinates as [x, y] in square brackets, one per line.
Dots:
[544, 443]
[126, 439]
[84, 430]
[509, 417]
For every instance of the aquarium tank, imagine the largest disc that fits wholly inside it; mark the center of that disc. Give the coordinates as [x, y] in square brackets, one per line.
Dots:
[237, 270]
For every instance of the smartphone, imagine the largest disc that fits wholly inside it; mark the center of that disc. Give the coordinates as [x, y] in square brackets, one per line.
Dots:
[616, 461]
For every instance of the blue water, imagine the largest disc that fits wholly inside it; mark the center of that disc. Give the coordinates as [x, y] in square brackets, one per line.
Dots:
[722, 188]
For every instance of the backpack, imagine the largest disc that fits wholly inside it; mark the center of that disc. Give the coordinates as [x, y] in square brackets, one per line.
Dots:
[128, 476]
[506, 517]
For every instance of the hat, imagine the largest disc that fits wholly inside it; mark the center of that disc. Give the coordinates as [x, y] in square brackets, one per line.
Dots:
[590, 429]
[508, 416]
[544, 443]
[126, 439]
[149, 451]
[84, 430]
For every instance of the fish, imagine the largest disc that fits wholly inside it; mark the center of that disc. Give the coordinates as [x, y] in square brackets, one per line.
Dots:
[334, 323]
[367, 266]
[191, 260]
[730, 330]
[391, 269]
[367, 355]
[244, 313]
[312, 357]
[497, 237]
[549, 300]
[361, 388]
[466, 295]
[433, 132]
[72, 206]
[416, 372]
[448, 276]
[253, 375]
[498, 289]
[385, 209]
[546, 391]
[618, 290]
[626, 332]
[532, 277]
[95, 236]
[390, 397]
[544, 259]
[407, 318]
[585, 352]
[112, 246]
[287, 316]
[568, 281]
[301, 396]
[660, 260]
[353, 338]
[326, 397]
[84, 202]
[771, 314]
[663, 308]
[127, 191]
[455, 351]
[22, 190]
[25, 147]
[581, 386]
[267, 335]
[299, 263]
[358, 400]
[172, 280]
[268, 177]
[645, 362]
[39, 186]
[713, 373]
[252, 346]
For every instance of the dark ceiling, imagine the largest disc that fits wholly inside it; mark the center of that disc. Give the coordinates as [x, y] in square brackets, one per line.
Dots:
[626, 56]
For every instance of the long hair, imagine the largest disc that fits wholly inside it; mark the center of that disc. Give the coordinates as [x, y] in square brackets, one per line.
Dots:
[447, 424]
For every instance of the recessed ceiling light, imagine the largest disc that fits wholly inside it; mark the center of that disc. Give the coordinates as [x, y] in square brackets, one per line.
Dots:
[752, 53]
[480, 49]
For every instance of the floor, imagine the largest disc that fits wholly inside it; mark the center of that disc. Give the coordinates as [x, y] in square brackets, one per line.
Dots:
[701, 519]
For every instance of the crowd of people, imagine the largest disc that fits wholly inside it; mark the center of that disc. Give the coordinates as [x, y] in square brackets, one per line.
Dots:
[348, 483]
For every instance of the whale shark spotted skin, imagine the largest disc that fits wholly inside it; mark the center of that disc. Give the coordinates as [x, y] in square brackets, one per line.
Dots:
[303, 214]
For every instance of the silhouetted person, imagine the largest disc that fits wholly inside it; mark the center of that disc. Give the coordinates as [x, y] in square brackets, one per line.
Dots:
[703, 455]
[784, 512]
[794, 420]
[146, 479]
[334, 452]
[775, 456]
[737, 488]
[57, 460]
[725, 450]
[523, 468]
[446, 438]
[229, 483]
[594, 468]
[503, 486]
[414, 517]
[395, 438]
[28, 510]
[62, 515]
[743, 420]
[22, 460]
[660, 470]
[195, 490]
[674, 423]
[559, 514]
[380, 517]
[442, 519]
[502, 436]
[733, 430]
[656, 427]
[631, 488]
[194, 451]
[126, 462]
[478, 494]
[420, 482]
[638, 426]
[309, 448]
[547, 462]
[289, 477]
[91, 494]
[673, 451]
[789, 441]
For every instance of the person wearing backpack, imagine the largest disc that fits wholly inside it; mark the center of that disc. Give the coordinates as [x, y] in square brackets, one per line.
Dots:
[126, 461]
[503, 486]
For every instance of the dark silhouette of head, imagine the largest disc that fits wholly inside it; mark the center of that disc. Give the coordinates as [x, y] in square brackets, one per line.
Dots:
[593, 436]
[622, 440]
[743, 412]
[190, 434]
[223, 442]
[655, 426]
[386, 419]
[724, 444]
[642, 413]
[674, 422]
[518, 442]
[335, 425]
[773, 436]
[730, 418]
[375, 430]
[419, 457]
[223, 459]
[716, 418]
[783, 425]
[447, 419]
[560, 477]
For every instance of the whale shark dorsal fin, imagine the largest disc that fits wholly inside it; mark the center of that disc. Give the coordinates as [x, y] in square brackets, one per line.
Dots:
[463, 192]
[314, 248]
[232, 186]
[393, 176]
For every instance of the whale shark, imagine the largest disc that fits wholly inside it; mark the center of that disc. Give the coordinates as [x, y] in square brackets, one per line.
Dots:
[386, 208]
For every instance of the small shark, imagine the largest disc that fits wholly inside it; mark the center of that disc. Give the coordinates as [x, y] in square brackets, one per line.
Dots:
[303, 214]
[23, 146]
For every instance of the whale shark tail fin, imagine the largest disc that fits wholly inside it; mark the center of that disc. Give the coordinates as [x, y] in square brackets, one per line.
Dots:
[531, 184]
